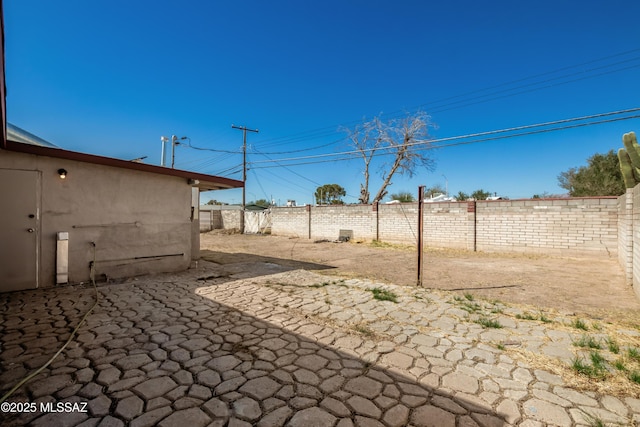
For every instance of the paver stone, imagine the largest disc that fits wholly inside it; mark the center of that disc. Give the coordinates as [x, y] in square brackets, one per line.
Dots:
[546, 412]
[431, 416]
[130, 407]
[247, 408]
[312, 417]
[364, 386]
[192, 417]
[260, 388]
[155, 387]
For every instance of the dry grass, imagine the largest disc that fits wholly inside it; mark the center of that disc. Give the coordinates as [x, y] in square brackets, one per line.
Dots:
[613, 384]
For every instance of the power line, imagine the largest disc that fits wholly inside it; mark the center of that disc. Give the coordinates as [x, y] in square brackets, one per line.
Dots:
[215, 150]
[301, 176]
[467, 104]
[431, 144]
[324, 131]
[307, 149]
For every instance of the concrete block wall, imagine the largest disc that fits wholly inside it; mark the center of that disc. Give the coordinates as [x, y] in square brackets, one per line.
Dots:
[625, 233]
[290, 221]
[584, 226]
[219, 218]
[579, 226]
[446, 225]
[210, 220]
[398, 223]
[635, 218]
[327, 221]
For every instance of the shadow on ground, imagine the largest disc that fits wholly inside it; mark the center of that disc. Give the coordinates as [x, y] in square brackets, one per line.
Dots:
[231, 259]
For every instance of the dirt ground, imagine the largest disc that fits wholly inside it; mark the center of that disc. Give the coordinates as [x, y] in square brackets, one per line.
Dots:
[585, 286]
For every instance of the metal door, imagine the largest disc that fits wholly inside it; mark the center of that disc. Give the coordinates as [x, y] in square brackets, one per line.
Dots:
[19, 229]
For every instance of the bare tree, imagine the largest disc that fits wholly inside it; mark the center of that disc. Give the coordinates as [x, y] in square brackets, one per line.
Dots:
[365, 140]
[402, 140]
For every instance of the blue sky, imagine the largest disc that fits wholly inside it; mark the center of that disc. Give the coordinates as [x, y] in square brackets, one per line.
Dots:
[111, 77]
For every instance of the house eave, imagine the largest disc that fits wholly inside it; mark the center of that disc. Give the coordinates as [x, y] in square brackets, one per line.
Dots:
[203, 181]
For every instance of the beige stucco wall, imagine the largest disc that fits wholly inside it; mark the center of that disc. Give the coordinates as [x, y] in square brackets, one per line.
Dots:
[140, 222]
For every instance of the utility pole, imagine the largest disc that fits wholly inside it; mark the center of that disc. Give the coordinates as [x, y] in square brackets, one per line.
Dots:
[244, 130]
[174, 142]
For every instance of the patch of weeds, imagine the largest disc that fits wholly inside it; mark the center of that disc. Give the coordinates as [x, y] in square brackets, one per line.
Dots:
[599, 362]
[597, 370]
[488, 323]
[613, 346]
[633, 353]
[580, 324]
[457, 298]
[500, 346]
[635, 377]
[587, 341]
[364, 330]
[526, 316]
[421, 297]
[497, 310]
[593, 420]
[619, 365]
[319, 285]
[469, 297]
[597, 326]
[580, 366]
[383, 295]
[470, 307]
[544, 319]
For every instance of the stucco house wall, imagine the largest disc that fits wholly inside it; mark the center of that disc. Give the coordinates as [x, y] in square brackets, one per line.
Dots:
[140, 222]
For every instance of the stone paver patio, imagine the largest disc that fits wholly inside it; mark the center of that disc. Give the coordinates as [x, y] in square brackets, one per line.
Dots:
[220, 345]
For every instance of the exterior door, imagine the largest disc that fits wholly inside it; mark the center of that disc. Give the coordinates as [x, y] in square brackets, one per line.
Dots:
[19, 229]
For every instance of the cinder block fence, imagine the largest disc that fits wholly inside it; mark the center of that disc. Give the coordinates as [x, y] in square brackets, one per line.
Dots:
[580, 226]
[606, 227]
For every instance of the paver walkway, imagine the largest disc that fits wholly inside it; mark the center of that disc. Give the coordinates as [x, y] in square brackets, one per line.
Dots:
[219, 346]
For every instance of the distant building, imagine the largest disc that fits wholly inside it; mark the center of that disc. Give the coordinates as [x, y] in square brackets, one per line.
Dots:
[440, 198]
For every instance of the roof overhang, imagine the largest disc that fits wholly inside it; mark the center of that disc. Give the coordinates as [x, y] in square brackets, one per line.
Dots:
[202, 181]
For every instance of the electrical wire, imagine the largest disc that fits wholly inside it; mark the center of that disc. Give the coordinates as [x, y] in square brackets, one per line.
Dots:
[309, 148]
[316, 133]
[73, 334]
[211, 149]
[469, 142]
[288, 183]
[434, 141]
[304, 177]
[266, 197]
